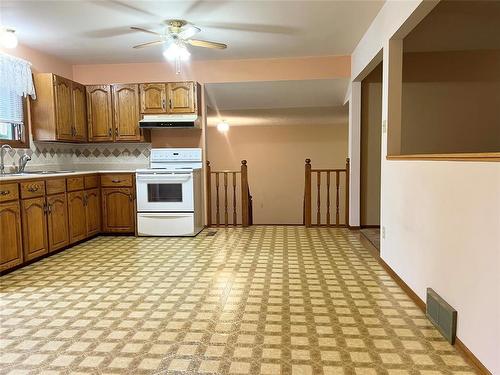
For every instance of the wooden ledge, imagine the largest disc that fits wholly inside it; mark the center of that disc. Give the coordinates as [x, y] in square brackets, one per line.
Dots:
[479, 156]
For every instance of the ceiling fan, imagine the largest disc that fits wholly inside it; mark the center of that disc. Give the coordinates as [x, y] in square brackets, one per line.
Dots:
[178, 34]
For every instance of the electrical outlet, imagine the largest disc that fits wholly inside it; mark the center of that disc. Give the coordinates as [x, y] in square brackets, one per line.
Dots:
[384, 126]
[383, 233]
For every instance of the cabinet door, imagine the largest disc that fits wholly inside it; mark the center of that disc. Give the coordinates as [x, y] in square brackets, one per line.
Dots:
[118, 210]
[93, 211]
[126, 112]
[153, 97]
[57, 221]
[34, 221]
[63, 109]
[79, 112]
[100, 122]
[76, 216]
[181, 97]
[11, 248]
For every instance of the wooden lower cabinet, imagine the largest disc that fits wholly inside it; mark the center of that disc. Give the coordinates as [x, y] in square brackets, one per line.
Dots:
[11, 246]
[92, 198]
[76, 216]
[57, 221]
[118, 210]
[34, 220]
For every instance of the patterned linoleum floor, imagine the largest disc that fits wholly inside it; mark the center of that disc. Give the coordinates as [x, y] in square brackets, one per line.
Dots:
[262, 300]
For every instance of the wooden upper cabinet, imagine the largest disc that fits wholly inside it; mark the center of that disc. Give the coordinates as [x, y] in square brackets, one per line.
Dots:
[99, 113]
[181, 97]
[63, 108]
[56, 111]
[11, 248]
[57, 221]
[79, 112]
[34, 222]
[126, 112]
[153, 97]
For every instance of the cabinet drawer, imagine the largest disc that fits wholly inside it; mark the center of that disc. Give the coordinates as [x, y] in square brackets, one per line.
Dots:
[112, 180]
[91, 182]
[9, 192]
[55, 186]
[74, 183]
[32, 189]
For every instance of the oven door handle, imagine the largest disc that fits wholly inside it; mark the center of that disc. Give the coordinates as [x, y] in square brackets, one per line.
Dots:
[162, 180]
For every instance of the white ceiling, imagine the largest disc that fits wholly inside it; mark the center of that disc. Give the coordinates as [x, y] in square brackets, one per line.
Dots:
[98, 31]
[277, 94]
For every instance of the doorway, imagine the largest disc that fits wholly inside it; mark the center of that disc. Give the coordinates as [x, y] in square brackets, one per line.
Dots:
[371, 138]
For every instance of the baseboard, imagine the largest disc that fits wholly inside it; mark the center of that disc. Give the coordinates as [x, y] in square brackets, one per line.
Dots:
[466, 353]
[354, 227]
[370, 226]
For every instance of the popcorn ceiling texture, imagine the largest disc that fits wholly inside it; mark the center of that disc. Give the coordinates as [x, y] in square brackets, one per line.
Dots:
[68, 155]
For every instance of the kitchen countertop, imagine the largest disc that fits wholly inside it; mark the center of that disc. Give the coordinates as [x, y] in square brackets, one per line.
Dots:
[30, 176]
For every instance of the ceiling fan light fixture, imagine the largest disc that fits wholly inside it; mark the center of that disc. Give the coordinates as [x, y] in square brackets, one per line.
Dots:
[176, 51]
[8, 38]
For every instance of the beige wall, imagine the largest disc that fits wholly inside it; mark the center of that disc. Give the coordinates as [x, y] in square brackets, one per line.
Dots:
[275, 156]
[371, 133]
[451, 102]
[218, 70]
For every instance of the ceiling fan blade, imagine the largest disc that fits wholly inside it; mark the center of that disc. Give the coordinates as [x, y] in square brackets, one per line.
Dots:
[144, 30]
[206, 44]
[188, 31]
[149, 44]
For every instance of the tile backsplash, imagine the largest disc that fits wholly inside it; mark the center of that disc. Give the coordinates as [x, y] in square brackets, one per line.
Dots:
[65, 155]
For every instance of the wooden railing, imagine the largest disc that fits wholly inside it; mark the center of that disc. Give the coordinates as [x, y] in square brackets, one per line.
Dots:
[308, 192]
[238, 191]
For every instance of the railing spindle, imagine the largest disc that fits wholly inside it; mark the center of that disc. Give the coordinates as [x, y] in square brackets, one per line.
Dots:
[307, 195]
[337, 209]
[347, 172]
[318, 213]
[235, 217]
[209, 195]
[217, 215]
[328, 198]
[245, 195]
[226, 216]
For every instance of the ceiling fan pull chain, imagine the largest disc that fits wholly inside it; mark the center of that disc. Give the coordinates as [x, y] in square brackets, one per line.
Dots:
[177, 65]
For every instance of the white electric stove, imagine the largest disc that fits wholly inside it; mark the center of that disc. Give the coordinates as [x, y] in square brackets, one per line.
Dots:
[169, 193]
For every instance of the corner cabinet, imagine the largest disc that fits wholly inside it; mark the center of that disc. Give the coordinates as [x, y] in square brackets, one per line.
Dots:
[99, 113]
[56, 111]
[170, 98]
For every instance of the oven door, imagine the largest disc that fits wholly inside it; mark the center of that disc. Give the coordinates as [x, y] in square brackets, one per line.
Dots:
[165, 192]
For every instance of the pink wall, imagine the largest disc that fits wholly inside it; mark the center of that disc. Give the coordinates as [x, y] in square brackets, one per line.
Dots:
[218, 70]
[42, 63]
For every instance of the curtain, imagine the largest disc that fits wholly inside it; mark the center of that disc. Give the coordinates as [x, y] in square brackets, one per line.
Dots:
[15, 76]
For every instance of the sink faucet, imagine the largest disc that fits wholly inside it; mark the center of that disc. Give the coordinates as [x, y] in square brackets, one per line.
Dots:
[23, 160]
[2, 151]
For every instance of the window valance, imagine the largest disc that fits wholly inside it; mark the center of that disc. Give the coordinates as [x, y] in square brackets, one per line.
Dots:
[15, 75]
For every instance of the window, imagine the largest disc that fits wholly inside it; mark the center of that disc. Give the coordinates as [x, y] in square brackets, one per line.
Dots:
[12, 118]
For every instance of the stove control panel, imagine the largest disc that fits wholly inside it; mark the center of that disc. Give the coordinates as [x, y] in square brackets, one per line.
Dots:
[176, 154]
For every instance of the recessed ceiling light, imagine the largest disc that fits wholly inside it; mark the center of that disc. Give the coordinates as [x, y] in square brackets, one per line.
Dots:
[8, 38]
[223, 126]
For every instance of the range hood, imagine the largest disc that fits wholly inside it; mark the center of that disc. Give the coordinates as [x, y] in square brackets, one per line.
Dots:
[170, 121]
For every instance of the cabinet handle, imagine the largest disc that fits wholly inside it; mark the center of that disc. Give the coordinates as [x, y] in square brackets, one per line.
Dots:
[109, 132]
[170, 103]
[49, 208]
[163, 103]
[45, 209]
[116, 132]
[85, 200]
[131, 197]
[5, 192]
[32, 189]
[116, 181]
